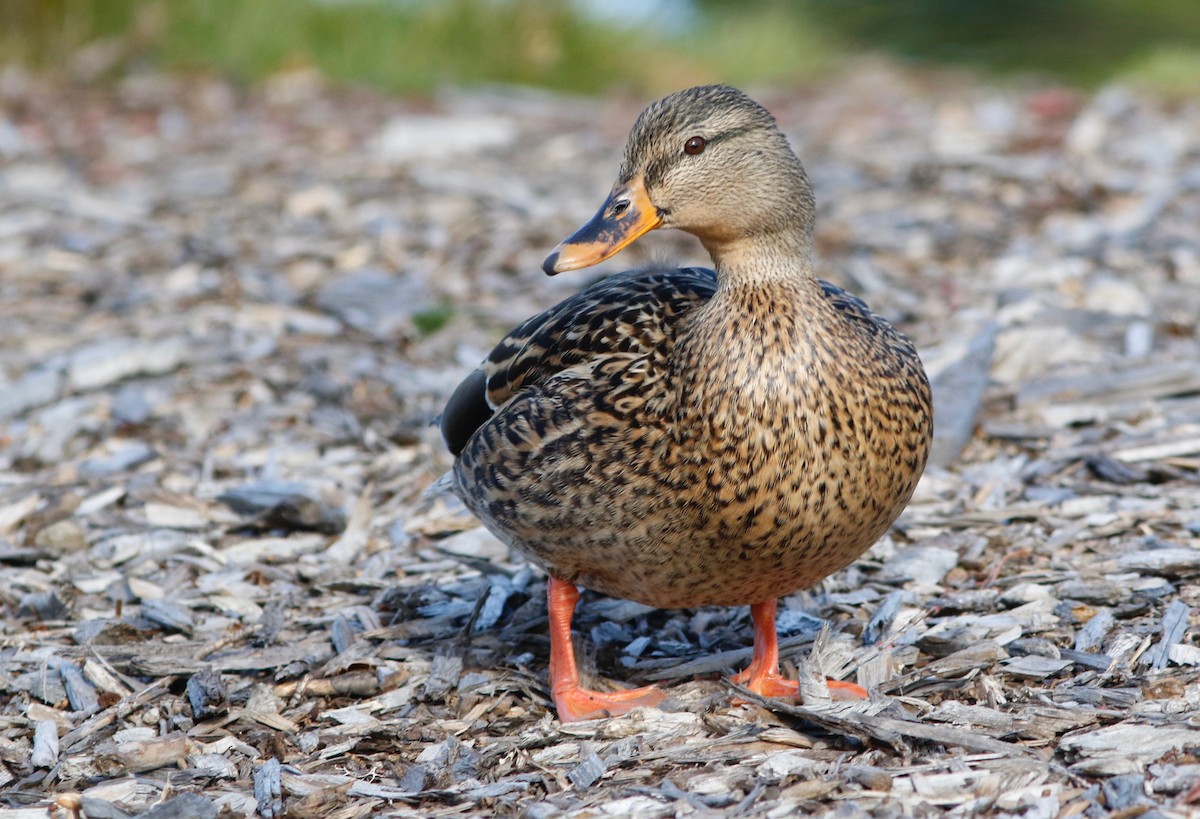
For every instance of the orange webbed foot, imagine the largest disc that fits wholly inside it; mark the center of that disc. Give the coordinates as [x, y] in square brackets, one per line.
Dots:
[763, 677]
[768, 685]
[776, 686]
[843, 691]
[577, 703]
[572, 700]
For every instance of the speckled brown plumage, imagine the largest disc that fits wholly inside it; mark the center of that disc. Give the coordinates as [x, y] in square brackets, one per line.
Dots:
[690, 437]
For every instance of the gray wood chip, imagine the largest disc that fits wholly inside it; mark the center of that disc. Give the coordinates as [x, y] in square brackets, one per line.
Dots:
[45, 745]
[183, 806]
[1126, 748]
[1175, 622]
[285, 504]
[1095, 630]
[587, 772]
[267, 788]
[1170, 562]
[168, 614]
[443, 676]
[206, 694]
[80, 692]
[1035, 667]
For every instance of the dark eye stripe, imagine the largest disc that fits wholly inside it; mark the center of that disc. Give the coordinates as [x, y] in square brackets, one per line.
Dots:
[656, 169]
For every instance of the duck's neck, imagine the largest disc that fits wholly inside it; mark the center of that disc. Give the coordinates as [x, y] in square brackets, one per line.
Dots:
[762, 261]
[745, 353]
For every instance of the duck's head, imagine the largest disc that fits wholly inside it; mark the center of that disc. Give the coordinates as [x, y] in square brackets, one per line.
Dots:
[710, 161]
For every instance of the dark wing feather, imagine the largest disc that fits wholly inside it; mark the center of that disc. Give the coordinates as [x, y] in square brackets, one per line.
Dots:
[465, 412]
[619, 314]
[855, 309]
[847, 303]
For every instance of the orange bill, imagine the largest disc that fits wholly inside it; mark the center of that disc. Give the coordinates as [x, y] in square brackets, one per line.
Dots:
[624, 216]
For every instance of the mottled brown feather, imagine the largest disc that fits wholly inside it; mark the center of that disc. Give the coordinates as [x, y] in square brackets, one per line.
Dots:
[597, 466]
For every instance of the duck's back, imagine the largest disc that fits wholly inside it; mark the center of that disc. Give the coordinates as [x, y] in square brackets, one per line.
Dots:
[629, 316]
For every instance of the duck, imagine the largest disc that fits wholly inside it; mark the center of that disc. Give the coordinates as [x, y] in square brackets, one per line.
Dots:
[693, 436]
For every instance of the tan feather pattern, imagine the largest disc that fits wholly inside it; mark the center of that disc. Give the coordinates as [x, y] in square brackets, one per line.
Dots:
[619, 458]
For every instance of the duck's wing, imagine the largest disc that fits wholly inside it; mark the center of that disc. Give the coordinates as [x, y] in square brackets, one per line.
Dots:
[626, 313]
[847, 303]
[857, 311]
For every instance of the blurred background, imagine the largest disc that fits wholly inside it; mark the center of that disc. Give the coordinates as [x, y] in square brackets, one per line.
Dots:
[595, 45]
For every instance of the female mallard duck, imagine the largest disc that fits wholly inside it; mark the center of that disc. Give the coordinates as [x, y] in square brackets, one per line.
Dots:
[690, 437]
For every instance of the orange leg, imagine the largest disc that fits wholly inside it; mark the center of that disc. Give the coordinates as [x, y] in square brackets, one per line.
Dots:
[763, 677]
[573, 701]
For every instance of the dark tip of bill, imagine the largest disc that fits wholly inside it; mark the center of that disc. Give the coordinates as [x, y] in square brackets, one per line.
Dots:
[549, 264]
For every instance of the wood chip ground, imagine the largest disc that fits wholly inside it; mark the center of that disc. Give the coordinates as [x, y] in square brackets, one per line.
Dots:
[229, 316]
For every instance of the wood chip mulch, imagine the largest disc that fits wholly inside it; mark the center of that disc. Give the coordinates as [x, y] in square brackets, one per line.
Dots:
[229, 317]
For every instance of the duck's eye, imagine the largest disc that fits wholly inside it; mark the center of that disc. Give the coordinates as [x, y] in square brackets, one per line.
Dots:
[694, 146]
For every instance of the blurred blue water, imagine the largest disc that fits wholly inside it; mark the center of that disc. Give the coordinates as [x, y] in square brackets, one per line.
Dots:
[662, 16]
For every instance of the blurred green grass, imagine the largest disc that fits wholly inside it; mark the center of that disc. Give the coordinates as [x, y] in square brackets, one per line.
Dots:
[1083, 42]
[390, 45]
[418, 45]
